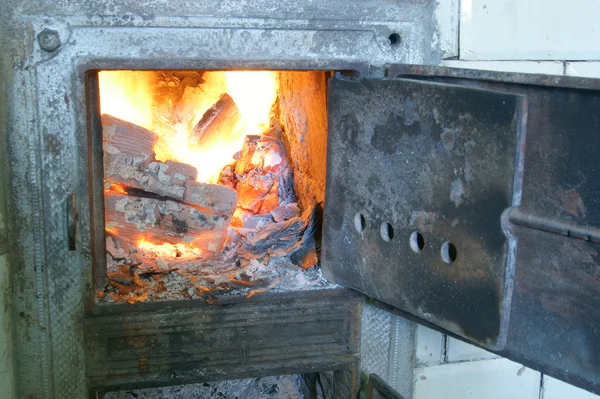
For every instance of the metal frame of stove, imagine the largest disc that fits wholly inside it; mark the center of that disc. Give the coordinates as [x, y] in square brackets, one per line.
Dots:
[49, 51]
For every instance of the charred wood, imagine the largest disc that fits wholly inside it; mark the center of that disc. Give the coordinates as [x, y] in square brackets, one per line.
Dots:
[129, 160]
[162, 220]
[218, 119]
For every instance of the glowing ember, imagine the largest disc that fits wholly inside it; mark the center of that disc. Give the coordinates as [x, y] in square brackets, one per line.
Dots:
[181, 251]
[115, 188]
[114, 231]
[132, 96]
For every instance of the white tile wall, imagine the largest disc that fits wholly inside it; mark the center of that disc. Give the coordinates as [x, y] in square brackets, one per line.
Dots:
[529, 30]
[489, 379]
[543, 67]
[525, 36]
[446, 36]
[555, 389]
[583, 69]
[458, 351]
[430, 346]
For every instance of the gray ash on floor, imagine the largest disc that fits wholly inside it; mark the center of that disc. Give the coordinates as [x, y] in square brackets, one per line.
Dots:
[280, 387]
[279, 257]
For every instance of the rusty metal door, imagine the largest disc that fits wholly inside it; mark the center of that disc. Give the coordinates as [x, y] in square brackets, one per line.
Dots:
[471, 200]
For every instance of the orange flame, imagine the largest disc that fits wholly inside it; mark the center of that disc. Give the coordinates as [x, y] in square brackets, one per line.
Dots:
[133, 96]
[130, 95]
[116, 188]
[166, 250]
[112, 231]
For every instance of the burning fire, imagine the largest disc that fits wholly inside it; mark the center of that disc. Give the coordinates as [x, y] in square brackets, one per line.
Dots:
[128, 95]
[115, 188]
[134, 96]
[254, 93]
[168, 250]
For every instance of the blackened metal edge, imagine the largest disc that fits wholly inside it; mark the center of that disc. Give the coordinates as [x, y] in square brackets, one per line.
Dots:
[425, 71]
[379, 389]
[195, 64]
[97, 280]
[119, 309]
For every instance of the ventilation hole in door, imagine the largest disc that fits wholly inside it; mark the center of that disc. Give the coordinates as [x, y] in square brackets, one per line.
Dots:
[386, 231]
[448, 252]
[394, 39]
[417, 241]
[360, 222]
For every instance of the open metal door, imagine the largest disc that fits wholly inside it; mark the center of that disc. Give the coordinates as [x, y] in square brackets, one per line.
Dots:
[472, 201]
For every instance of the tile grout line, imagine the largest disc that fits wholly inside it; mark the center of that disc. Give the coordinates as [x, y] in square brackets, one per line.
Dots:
[458, 29]
[444, 348]
[541, 393]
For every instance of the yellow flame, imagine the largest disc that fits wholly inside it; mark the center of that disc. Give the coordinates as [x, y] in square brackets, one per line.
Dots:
[132, 96]
[166, 250]
[127, 95]
[254, 93]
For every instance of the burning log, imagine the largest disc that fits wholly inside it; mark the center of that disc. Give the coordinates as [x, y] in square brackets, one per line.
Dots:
[133, 141]
[214, 197]
[129, 161]
[166, 179]
[161, 220]
[221, 117]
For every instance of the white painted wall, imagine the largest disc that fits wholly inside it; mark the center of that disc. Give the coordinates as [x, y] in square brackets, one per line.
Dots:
[530, 36]
[447, 368]
[529, 30]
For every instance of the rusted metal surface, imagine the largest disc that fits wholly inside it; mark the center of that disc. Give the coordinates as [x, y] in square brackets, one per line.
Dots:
[155, 344]
[430, 160]
[550, 298]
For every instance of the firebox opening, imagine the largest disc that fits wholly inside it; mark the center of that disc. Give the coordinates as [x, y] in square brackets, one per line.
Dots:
[213, 182]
